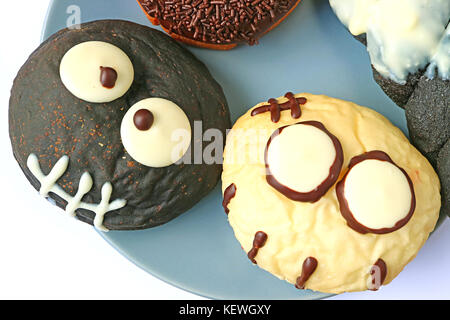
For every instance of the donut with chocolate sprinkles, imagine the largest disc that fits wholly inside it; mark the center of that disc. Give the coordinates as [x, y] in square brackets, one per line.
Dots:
[217, 24]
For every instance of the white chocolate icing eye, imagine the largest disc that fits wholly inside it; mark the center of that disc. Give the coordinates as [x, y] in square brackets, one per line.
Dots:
[376, 195]
[301, 157]
[303, 161]
[156, 132]
[96, 72]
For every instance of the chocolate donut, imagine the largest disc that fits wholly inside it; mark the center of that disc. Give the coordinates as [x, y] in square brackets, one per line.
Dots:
[107, 161]
[217, 24]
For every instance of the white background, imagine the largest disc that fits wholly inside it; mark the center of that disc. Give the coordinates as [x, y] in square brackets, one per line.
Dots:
[45, 255]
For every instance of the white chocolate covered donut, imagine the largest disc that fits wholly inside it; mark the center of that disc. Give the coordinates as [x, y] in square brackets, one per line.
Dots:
[314, 244]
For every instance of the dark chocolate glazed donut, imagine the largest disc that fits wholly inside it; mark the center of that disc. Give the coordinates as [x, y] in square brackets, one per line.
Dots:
[46, 120]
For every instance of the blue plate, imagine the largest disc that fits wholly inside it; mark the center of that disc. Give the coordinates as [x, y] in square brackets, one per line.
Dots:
[310, 51]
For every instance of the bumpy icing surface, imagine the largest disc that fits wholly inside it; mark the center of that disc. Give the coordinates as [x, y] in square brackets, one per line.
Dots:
[298, 230]
[403, 36]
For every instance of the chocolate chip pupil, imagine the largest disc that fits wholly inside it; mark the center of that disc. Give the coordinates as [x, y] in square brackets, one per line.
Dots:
[108, 77]
[143, 119]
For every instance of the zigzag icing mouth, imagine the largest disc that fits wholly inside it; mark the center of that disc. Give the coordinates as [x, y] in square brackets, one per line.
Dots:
[48, 184]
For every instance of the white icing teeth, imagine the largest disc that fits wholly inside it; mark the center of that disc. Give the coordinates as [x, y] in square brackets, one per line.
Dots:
[156, 132]
[376, 196]
[84, 187]
[96, 72]
[49, 184]
[303, 161]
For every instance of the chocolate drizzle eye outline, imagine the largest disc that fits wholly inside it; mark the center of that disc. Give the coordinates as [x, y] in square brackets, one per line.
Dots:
[321, 189]
[343, 204]
[275, 108]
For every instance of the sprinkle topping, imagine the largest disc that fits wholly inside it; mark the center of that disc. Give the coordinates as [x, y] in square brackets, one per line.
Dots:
[218, 21]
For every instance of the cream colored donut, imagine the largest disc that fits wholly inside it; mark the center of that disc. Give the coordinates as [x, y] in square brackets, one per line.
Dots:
[311, 244]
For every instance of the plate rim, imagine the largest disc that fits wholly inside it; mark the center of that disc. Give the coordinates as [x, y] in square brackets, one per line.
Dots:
[48, 13]
[43, 36]
[123, 253]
